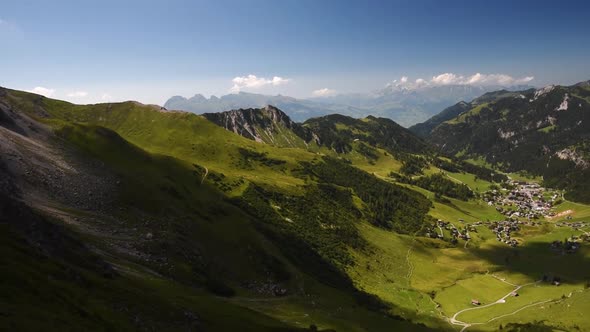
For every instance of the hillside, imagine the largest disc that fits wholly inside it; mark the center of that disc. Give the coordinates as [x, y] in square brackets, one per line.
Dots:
[425, 128]
[131, 217]
[171, 225]
[545, 132]
[337, 133]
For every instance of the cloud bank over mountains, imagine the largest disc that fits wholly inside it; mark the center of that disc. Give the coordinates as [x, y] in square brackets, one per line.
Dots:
[476, 79]
[254, 83]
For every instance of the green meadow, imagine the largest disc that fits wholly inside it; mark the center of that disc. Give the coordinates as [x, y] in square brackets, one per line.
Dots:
[313, 221]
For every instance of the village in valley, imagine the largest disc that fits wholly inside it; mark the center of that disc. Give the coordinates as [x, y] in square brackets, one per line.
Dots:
[531, 221]
[523, 204]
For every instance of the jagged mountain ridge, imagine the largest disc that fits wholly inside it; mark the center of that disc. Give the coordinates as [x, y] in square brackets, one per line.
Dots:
[337, 132]
[404, 106]
[268, 124]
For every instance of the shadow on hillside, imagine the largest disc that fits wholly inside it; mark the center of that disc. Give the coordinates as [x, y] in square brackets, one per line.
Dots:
[537, 260]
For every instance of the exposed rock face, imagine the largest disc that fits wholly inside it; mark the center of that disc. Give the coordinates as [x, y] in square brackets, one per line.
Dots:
[338, 132]
[569, 154]
[260, 124]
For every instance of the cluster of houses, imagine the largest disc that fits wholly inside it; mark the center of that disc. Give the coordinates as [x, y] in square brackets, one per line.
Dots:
[435, 231]
[503, 229]
[522, 204]
[576, 226]
[523, 200]
[568, 246]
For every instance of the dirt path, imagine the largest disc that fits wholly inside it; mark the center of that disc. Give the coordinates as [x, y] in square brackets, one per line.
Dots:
[453, 320]
[561, 214]
[205, 175]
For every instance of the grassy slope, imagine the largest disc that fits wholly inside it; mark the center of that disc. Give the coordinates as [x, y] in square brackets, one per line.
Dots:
[146, 173]
[49, 293]
[384, 271]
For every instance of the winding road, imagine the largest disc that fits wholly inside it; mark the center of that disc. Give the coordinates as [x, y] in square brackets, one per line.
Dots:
[205, 175]
[453, 320]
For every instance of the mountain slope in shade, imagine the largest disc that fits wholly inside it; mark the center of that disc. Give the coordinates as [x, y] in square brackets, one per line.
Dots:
[544, 131]
[339, 132]
[423, 129]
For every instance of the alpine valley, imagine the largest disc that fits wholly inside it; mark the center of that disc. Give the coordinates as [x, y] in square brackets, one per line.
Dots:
[125, 216]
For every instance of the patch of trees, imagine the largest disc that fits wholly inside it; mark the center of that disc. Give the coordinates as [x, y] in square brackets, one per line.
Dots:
[483, 173]
[248, 156]
[412, 165]
[323, 218]
[388, 205]
[440, 184]
[376, 132]
[368, 152]
[447, 165]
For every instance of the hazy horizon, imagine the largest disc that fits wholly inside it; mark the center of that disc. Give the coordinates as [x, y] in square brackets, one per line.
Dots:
[147, 51]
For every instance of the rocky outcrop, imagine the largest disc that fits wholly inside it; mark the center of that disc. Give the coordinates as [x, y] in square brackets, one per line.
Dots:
[260, 124]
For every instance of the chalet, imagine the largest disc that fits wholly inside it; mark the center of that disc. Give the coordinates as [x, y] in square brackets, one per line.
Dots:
[475, 302]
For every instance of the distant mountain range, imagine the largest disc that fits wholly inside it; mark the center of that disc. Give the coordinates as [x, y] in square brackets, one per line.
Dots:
[403, 105]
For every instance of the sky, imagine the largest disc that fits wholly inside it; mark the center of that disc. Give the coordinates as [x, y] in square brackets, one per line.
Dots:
[98, 51]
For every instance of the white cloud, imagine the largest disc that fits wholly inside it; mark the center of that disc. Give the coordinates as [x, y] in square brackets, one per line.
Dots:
[42, 91]
[445, 79]
[456, 79]
[254, 82]
[78, 94]
[325, 92]
[106, 97]
[479, 79]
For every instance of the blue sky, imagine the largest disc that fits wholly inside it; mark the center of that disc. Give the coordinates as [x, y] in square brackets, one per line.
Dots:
[90, 51]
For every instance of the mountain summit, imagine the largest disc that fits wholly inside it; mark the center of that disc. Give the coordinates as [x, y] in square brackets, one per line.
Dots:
[337, 132]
